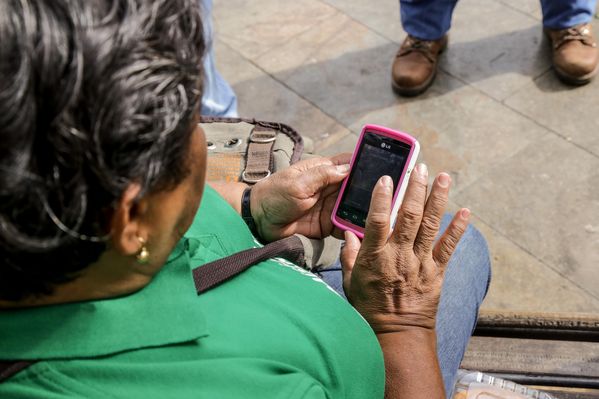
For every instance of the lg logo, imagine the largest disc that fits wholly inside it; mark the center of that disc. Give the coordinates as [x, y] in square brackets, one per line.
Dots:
[386, 146]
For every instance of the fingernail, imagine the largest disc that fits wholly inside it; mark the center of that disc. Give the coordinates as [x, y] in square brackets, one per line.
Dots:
[444, 180]
[387, 183]
[350, 238]
[346, 235]
[465, 213]
[343, 169]
[422, 170]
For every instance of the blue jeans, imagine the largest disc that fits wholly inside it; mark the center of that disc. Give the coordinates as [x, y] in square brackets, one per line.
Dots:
[431, 19]
[465, 286]
[219, 98]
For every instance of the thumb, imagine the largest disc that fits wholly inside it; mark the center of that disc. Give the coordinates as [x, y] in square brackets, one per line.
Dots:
[348, 256]
[318, 178]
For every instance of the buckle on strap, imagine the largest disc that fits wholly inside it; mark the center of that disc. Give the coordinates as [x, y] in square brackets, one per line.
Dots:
[245, 178]
[262, 135]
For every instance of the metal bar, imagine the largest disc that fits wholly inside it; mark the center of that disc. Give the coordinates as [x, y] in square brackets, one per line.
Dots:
[550, 380]
[555, 326]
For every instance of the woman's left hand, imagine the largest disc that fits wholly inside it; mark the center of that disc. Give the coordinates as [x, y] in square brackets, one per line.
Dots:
[299, 199]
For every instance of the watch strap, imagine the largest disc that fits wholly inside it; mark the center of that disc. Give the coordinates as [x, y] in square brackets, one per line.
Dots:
[246, 212]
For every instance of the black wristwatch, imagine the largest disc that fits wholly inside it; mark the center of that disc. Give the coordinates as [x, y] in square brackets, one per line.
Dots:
[246, 212]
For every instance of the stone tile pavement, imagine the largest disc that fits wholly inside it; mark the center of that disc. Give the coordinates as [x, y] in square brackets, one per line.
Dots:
[523, 149]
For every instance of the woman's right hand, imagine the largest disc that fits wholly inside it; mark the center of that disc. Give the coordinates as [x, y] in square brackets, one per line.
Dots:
[395, 281]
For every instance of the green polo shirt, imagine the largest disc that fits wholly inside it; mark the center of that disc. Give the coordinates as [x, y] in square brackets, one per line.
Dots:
[275, 331]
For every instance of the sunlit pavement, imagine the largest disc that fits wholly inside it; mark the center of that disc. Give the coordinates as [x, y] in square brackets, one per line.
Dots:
[522, 148]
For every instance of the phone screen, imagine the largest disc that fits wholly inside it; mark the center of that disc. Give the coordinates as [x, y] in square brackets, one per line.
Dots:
[377, 156]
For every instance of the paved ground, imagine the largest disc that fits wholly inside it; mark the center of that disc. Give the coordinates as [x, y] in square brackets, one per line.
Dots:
[523, 149]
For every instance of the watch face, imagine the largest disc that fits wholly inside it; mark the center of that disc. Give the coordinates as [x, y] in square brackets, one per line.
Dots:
[377, 156]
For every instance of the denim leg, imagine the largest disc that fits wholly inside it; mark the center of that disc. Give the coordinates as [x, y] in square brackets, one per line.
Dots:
[426, 19]
[219, 98]
[466, 283]
[561, 14]
[464, 288]
[333, 276]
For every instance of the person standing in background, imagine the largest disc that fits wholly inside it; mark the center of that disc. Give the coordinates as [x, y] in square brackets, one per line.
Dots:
[566, 23]
[219, 98]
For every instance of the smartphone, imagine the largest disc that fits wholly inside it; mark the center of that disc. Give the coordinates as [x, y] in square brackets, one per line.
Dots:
[380, 151]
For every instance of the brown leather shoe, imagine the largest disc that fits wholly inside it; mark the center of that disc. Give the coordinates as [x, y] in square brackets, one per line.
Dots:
[575, 53]
[415, 65]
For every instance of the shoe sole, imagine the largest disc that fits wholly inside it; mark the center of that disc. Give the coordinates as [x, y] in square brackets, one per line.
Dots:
[414, 91]
[575, 80]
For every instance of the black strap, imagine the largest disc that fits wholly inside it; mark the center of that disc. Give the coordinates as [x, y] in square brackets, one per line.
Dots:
[209, 276]
[8, 369]
[246, 212]
[214, 273]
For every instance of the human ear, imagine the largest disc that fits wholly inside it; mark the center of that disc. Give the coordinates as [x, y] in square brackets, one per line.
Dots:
[127, 231]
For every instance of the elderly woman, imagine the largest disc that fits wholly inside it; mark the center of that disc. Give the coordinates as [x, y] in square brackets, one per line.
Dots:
[102, 171]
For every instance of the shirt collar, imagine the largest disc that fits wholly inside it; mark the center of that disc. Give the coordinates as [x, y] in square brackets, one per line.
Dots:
[164, 312]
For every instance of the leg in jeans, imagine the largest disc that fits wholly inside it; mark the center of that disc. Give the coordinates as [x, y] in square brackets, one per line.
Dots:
[427, 19]
[562, 14]
[219, 98]
[415, 65]
[464, 288]
[466, 283]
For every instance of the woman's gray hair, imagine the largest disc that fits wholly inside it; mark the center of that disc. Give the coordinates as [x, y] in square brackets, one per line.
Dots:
[94, 95]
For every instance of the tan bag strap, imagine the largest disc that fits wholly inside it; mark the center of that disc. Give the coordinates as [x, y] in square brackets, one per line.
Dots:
[259, 159]
[281, 127]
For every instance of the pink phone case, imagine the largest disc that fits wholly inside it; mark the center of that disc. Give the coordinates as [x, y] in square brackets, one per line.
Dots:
[401, 186]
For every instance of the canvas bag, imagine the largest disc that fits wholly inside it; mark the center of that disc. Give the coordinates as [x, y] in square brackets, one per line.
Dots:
[249, 150]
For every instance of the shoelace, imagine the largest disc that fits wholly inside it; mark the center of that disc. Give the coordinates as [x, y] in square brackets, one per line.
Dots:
[422, 46]
[581, 33]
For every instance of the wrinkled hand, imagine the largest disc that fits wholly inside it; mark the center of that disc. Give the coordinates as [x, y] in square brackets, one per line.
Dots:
[395, 281]
[299, 199]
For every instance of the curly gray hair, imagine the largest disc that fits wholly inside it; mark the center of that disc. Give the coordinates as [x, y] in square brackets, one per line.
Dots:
[94, 95]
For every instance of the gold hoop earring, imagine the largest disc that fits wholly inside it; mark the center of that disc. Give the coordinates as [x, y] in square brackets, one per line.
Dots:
[143, 256]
